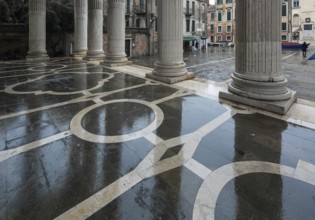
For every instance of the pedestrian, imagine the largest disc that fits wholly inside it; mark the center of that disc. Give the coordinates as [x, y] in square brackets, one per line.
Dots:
[304, 48]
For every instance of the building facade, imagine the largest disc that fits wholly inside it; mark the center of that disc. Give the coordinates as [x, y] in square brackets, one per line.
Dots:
[195, 23]
[221, 18]
[303, 20]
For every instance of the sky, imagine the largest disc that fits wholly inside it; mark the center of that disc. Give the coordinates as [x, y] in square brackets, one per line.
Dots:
[211, 1]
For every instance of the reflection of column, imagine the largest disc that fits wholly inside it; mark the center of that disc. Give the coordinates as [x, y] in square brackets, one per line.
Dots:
[258, 74]
[95, 30]
[170, 67]
[37, 31]
[80, 27]
[266, 145]
[116, 33]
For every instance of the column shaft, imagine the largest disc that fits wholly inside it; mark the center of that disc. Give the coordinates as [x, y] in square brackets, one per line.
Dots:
[170, 66]
[258, 72]
[95, 30]
[80, 27]
[116, 33]
[37, 31]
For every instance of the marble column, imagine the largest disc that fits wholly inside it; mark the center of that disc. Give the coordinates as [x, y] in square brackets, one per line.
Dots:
[258, 80]
[95, 50]
[37, 31]
[115, 54]
[80, 28]
[170, 67]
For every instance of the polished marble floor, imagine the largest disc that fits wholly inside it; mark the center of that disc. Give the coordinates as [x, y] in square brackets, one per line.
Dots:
[83, 141]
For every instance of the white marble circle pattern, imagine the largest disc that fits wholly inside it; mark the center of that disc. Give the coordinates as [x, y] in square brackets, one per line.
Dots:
[79, 131]
[210, 189]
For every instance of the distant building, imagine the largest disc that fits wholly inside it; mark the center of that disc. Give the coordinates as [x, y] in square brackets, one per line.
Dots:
[286, 27]
[303, 18]
[195, 23]
[221, 18]
[140, 20]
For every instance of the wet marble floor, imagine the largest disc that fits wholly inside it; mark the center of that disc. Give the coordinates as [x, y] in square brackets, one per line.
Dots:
[83, 141]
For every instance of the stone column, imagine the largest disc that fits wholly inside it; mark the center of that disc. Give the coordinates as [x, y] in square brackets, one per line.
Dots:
[170, 67]
[258, 80]
[95, 31]
[115, 54]
[37, 31]
[80, 27]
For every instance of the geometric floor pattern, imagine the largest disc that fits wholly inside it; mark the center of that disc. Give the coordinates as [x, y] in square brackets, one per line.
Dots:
[81, 141]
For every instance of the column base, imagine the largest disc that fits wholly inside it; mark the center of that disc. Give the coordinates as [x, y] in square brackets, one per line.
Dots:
[269, 90]
[37, 57]
[279, 107]
[79, 55]
[115, 64]
[92, 56]
[171, 79]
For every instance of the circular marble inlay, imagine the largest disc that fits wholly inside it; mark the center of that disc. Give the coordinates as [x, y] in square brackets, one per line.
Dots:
[116, 121]
[118, 118]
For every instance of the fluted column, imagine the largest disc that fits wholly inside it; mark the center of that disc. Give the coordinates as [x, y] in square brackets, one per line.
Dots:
[115, 54]
[80, 27]
[95, 30]
[37, 31]
[170, 67]
[258, 74]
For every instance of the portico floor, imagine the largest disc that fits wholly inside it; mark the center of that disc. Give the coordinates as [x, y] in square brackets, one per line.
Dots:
[82, 141]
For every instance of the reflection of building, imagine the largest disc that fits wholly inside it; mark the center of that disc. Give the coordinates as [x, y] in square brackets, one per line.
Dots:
[303, 17]
[195, 22]
[221, 19]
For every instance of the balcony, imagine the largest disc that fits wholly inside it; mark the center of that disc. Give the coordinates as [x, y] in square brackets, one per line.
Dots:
[188, 12]
[139, 10]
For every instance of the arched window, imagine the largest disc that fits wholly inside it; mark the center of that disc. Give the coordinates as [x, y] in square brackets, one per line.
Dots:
[229, 15]
[219, 15]
[296, 20]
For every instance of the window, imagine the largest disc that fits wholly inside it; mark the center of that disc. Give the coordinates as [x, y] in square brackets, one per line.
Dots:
[212, 16]
[284, 9]
[219, 2]
[284, 37]
[219, 15]
[229, 1]
[228, 29]
[193, 8]
[284, 26]
[219, 29]
[187, 7]
[142, 8]
[187, 25]
[296, 3]
[308, 27]
[193, 29]
[127, 22]
[212, 38]
[219, 38]
[138, 22]
[228, 37]
[229, 15]
[211, 27]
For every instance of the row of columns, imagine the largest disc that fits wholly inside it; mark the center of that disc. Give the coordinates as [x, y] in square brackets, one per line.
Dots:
[257, 75]
[88, 33]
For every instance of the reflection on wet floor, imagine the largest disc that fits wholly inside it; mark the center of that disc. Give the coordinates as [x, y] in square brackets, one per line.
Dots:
[96, 143]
